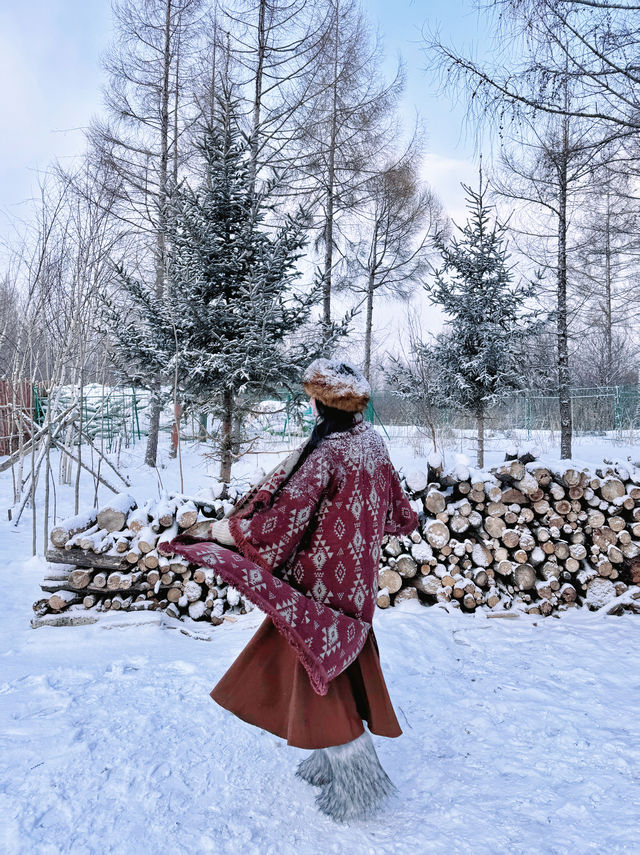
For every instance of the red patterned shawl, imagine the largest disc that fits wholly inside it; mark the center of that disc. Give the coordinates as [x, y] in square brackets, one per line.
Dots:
[308, 553]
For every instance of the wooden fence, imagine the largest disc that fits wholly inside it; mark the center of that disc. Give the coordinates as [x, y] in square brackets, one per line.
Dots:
[14, 398]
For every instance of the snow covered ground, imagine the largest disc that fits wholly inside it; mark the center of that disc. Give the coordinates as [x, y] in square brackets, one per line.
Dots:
[520, 736]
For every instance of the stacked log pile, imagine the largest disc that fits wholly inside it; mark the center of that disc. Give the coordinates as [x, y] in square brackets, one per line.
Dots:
[531, 536]
[538, 537]
[107, 559]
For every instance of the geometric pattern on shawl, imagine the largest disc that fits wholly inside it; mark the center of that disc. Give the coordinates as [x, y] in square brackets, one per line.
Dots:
[308, 547]
[325, 641]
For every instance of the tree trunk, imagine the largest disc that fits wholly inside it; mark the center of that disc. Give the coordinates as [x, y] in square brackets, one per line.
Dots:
[226, 441]
[480, 432]
[257, 95]
[371, 287]
[154, 421]
[155, 406]
[176, 104]
[80, 426]
[236, 435]
[328, 254]
[175, 429]
[608, 312]
[564, 380]
[369, 326]
[327, 279]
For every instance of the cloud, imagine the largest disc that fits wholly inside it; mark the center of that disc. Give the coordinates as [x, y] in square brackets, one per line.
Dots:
[444, 175]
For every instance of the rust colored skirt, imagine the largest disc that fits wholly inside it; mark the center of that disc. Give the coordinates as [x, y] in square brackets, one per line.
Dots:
[268, 687]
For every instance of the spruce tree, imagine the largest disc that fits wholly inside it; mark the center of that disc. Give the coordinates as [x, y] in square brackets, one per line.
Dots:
[479, 353]
[229, 328]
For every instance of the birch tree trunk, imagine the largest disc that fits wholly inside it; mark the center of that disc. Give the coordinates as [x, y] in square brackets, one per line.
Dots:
[608, 277]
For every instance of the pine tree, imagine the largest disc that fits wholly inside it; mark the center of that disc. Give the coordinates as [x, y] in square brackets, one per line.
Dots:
[226, 329]
[479, 353]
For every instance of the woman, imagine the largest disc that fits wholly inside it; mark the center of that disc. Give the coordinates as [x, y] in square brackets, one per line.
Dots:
[308, 542]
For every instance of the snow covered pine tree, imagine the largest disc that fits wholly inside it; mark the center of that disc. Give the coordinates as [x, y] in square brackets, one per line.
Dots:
[479, 354]
[231, 312]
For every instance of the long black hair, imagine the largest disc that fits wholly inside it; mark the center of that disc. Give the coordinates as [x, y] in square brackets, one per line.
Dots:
[329, 420]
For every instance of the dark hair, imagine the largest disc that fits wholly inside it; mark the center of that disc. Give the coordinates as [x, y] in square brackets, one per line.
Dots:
[330, 420]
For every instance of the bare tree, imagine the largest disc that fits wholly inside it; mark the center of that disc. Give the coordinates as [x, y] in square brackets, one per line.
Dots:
[138, 147]
[543, 83]
[593, 43]
[607, 270]
[544, 173]
[394, 231]
[63, 260]
[347, 124]
[276, 47]
[10, 314]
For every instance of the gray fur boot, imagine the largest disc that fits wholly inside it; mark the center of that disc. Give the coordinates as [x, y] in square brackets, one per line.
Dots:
[359, 784]
[315, 769]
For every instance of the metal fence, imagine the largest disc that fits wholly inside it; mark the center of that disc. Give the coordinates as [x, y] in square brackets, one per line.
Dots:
[111, 415]
[594, 410]
[118, 416]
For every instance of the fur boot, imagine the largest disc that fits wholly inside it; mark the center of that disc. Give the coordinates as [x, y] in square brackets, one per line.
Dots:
[359, 784]
[315, 769]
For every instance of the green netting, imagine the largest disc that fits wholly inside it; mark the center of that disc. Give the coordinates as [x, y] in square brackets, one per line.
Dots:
[119, 414]
[594, 410]
[38, 408]
[110, 414]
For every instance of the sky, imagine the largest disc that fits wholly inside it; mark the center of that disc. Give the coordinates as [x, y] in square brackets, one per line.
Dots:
[50, 60]
[450, 149]
[50, 67]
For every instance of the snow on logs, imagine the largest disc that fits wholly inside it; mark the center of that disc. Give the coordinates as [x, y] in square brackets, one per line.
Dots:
[538, 537]
[112, 517]
[67, 529]
[533, 536]
[107, 559]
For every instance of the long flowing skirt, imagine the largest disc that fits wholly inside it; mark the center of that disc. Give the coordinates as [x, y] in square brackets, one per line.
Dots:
[268, 687]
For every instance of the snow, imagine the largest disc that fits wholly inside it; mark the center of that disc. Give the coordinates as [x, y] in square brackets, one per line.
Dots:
[416, 480]
[80, 521]
[122, 502]
[422, 552]
[192, 591]
[600, 592]
[416, 505]
[112, 745]
[520, 735]
[435, 459]
[410, 448]
[436, 533]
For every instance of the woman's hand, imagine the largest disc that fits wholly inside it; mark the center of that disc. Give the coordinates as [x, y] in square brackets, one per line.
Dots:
[200, 531]
[219, 530]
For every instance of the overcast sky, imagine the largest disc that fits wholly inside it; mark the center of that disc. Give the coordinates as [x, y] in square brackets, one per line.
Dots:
[50, 65]
[50, 54]
[51, 79]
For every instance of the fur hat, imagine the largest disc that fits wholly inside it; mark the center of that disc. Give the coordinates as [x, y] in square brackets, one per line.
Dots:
[337, 384]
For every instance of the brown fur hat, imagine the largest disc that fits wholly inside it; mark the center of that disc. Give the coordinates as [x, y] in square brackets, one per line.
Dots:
[337, 384]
